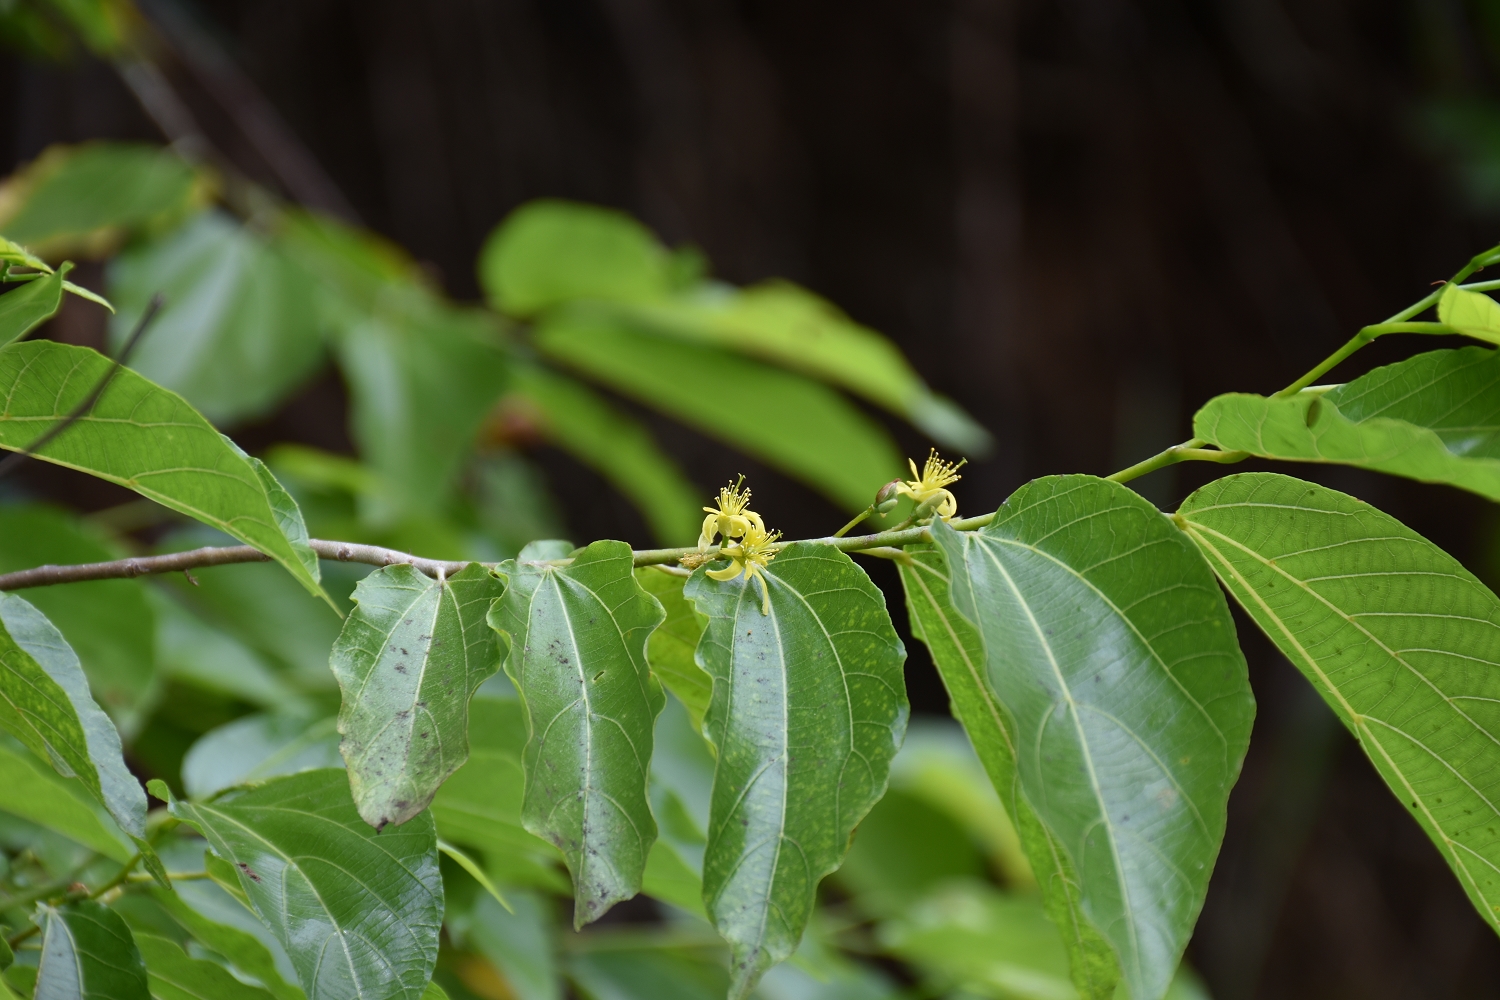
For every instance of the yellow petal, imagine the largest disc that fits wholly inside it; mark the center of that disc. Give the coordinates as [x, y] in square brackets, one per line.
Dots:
[724, 575]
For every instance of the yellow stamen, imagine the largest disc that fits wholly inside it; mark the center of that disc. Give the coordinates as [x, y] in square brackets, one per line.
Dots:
[930, 485]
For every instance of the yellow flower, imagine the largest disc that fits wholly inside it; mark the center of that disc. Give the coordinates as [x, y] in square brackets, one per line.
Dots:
[749, 556]
[929, 486]
[730, 518]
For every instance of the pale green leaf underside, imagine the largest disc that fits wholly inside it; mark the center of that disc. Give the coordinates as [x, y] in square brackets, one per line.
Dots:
[674, 644]
[577, 636]
[409, 658]
[1399, 639]
[139, 436]
[1113, 652]
[88, 954]
[358, 912]
[23, 309]
[1471, 313]
[809, 707]
[957, 650]
[32, 790]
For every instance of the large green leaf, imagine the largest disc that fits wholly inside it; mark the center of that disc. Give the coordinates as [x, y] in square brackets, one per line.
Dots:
[195, 906]
[616, 445]
[411, 655]
[175, 976]
[86, 199]
[191, 650]
[109, 623]
[520, 944]
[296, 841]
[957, 649]
[765, 411]
[88, 954]
[140, 436]
[674, 644]
[257, 747]
[577, 654]
[24, 309]
[45, 703]
[480, 806]
[809, 706]
[32, 790]
[1113, 652]
[1397, 637]
[550, 251]
[239, 329]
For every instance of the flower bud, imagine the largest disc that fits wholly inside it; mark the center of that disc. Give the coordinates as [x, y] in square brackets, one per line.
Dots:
[887, 494]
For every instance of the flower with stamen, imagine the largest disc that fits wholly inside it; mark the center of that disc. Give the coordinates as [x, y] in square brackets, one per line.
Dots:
[750, 555]
[929, 487]
[730, 518]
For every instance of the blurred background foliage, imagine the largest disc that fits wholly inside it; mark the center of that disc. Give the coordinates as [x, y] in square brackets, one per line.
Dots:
[1079, 218]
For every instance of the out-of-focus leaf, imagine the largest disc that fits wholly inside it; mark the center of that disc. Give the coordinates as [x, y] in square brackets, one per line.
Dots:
[519, 944]
[626, 973]
[576, 636]
[25, 308]
[258, 747]
[613, 443]
[409, 659]
[789, 326]
[1086, 595]
[550, 251]
[45, 703]
[512, 502]
[86, 200]
[905, 847]
[193, 470]
[787, 420]
[207, 913]
[239, 329]
[682, 775]
[423, 376]
[480, 806]
[1473, 314]
[88, 954]
[674, 643]
[191, 650]
[31, 790]
[293, 840]
[809, 706]
[175, 976]
[109, 623]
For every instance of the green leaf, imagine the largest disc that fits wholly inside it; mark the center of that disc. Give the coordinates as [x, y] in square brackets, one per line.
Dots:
[519, 944]
[239, 945]
[18, 256]
[1471, 313]
[550, 251]
[434, 992]
[192, 468]
[682, 777]
[765, 411]
[809, 706]
[615, 445]
[905, 847]
[577, 654]
[480, 806]
[476, 871]
[45, 703]
[24, 309]
[109, 623]
[1114, 654]
[422, 376]
[32, 790]
[239, 328]
[411, 655]
[86, 199]
[789, 326]
[257, 747]
[623, 973]
[294, 841]
[88, 954]
[1392, 631]
[674, 644]
[957, 649]
[175, 976]
[191, 650]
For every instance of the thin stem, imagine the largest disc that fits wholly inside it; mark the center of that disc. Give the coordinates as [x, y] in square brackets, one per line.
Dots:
[857, 518]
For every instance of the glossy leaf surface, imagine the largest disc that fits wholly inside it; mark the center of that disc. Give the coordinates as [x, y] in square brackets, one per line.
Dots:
[24, 308]
[958, 652]
[409, 658]
[239, 328]
[765, 411]
[809, 706]
[139, 436]
[577, 654]
[1397, 637]
[173, 975]
[1112, 650]
[88, 953]
[45, 703]
[675, 643]
[295, 842]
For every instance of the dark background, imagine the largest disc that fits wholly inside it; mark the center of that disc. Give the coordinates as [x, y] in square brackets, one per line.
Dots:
[1080, 218]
